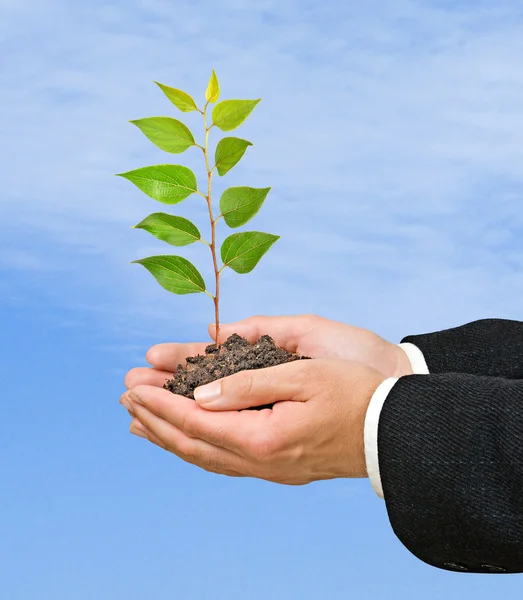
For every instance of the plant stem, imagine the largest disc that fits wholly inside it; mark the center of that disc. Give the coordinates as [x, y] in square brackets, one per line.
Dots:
[213, 227]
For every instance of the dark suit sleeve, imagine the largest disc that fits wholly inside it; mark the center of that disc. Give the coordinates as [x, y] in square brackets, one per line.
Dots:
[450, 450]
[485, 347]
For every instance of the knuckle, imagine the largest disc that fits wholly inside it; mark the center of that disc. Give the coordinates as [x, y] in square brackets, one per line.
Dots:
[213, 464]
[263, 447]
[174, 445]
[267, 377]
[188, 425]
[242, 383]
[185, 449]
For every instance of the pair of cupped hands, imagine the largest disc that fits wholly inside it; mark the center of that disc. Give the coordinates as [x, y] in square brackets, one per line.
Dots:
[315, 429]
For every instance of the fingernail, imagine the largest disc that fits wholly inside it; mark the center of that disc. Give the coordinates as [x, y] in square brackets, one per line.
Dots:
[138, 432]
[208, 393]
[126, 404]
[135, 398]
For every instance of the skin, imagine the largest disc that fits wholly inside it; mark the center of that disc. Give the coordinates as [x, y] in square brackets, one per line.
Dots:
[314, 432]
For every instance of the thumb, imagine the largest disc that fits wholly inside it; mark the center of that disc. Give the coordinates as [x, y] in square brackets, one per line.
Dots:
[257, 387]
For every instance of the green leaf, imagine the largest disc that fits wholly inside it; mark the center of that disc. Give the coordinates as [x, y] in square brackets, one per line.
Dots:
[174, 273]
[240, 204]
[242, 251]
[229, 114]
[180, 99]
[169, 184]
[168, 134]
[213, 89]
[176, 231]
[229, 152]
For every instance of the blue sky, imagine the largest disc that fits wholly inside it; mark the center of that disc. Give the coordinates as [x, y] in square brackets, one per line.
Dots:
[391, 135]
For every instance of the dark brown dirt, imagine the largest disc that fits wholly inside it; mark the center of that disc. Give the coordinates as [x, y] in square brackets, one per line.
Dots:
[234, 355]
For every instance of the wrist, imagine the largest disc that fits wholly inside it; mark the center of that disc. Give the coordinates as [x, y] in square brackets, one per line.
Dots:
[402, 363]
[369, 387]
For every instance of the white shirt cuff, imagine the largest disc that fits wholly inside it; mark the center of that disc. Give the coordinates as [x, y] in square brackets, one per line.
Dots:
[371, 432]
[372, 418]
[416, 358]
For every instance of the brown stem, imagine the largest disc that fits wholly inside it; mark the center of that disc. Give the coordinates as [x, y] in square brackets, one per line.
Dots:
[213, 229]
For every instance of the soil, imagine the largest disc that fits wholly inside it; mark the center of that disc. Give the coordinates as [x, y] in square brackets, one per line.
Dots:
[234, 355]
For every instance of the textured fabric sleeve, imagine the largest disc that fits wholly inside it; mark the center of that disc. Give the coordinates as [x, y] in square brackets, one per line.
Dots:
[451, 467]
[486, 347]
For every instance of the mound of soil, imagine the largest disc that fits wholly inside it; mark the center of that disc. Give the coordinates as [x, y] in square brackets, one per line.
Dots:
[234, 355]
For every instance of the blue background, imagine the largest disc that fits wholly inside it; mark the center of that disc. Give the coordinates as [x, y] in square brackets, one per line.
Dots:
[391, 134]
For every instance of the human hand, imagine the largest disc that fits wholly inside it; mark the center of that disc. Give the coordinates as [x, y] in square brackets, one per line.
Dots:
[314, 430]
[308, 335]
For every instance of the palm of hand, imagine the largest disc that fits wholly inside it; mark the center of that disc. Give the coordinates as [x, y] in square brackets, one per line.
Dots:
[308, 335]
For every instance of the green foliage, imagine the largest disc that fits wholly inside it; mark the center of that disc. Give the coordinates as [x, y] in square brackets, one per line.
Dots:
[180, 99]
[242, 251]
[230, 114]
[174, 273]
[171, 184]
[213, 89]
[176, 231]
[168, 134]
[240, 204]
[229, 152]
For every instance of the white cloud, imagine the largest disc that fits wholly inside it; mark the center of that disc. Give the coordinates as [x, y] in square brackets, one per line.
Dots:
[390, 134]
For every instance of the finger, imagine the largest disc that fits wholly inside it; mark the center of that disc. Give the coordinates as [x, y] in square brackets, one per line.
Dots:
[146, 376]
[257, 387]
[191, 450]
[285, 331]
[229, 430]
[168, 356]
[137, 428]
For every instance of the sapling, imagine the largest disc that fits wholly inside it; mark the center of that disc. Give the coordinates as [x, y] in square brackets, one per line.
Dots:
[171, 184]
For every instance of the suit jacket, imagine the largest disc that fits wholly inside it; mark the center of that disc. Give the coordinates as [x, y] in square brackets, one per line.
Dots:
[450, 449]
